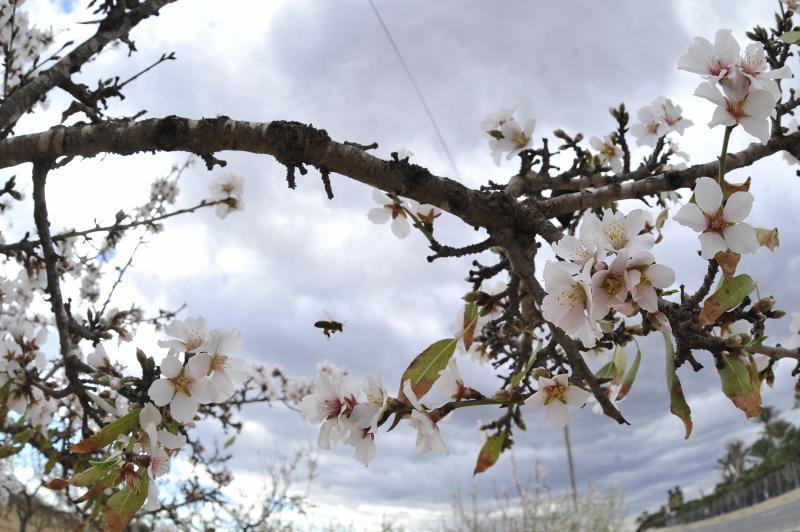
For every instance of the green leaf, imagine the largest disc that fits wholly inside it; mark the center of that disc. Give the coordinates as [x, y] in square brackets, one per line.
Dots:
[123, 505]
[607, 371]
[620, 363]
[102, 403]
[627, 382]
[677, 402]
[108, 434]
[424, 370]
[490, 452]
[730, 293]
[741, 384]
[470, 322]
[792, 37]
[516, 379]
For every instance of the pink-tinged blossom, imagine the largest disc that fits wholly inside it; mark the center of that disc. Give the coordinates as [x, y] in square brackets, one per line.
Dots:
[333, 394]
[493, 122]
[184, 389]
[753, 65]
[643, 276]
[99, 359]
[609, 286]
[568, 302]
[713, 61]
[651, 126]
[222, 368]
[554, 395]
[391, 209]
[578, 252]
[512, 138]
[672, 115]
[450, 384]
[721, 227]
[428, 437]
[620, 231]
[750, 108]
[230, 188]
[609, 153]
[189, 335]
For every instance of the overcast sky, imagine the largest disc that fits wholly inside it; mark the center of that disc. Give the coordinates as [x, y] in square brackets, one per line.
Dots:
[271, 270]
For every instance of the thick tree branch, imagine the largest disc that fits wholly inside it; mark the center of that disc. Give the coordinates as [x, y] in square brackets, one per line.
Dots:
[118, 24]
[672, 180]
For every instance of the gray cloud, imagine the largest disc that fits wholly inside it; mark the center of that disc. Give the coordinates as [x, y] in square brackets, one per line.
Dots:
[272, 269]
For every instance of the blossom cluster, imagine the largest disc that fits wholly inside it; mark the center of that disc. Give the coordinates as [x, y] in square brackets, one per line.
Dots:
[659, 118]
[400, 210]
[719, 220]
[749, 90]
[609, 266]
[506, 135]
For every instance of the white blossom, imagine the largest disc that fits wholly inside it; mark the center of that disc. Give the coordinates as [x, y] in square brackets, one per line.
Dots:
[643, 276]
[428, 437]
[190, 335]
[391, 209]
[554, 395]
[184, 389]
[721, 227]
[568, 302]
[713, 61]
[332, 395]
[609, 153]
[618, 231]
[230, 188]
[751, 109]
[222, 368]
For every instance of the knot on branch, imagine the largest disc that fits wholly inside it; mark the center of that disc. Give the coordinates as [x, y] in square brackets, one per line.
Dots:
[293, 140]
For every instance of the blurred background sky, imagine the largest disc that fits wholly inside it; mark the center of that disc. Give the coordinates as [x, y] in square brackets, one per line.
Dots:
[273, 269]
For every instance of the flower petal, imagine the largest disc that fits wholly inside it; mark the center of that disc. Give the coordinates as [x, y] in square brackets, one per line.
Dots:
[183, 408]
[379, 215]
[741, 238]
[161, 392]
[400, 227]
[170, 366]
[710, 244]
[556, 414]
[738, 206]
[576, 396]
[708, 195]
[690, 215]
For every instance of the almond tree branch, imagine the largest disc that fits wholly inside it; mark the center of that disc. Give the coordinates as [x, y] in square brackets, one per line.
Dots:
[117, 24]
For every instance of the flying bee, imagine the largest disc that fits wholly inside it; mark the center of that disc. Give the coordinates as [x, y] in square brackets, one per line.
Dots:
[329, 325]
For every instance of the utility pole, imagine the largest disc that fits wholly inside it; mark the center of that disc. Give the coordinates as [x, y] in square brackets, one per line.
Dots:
[571, 465]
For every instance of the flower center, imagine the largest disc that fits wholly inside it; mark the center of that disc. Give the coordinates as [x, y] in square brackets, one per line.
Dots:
[183, 383]
[736, 108]
[159, 465]
[573, 297]
[397, 210]
[615, 232]
[219, 363]
[555, 393]
[716, 223]
[614, 284]
[716, 65]
[194, 341]
[331, 408]
[520, 140]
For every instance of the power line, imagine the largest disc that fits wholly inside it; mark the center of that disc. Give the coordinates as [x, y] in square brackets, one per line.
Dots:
[416, 88]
